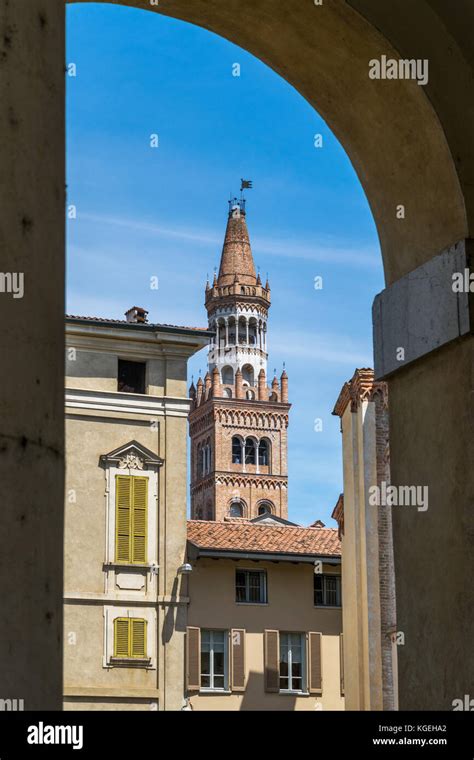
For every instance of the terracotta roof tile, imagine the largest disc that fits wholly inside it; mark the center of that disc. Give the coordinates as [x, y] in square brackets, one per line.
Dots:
[274, 539]
[237, 260]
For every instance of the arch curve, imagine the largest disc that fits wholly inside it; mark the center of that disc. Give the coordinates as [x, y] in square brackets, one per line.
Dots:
[390, 132]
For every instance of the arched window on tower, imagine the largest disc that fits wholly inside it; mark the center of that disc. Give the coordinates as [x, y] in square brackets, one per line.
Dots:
[265, 508]
[242, 331]
[250, 453]
[236, 450]
[232, 331]
[197, 461]
[264, 452]
[247, 374]
[253, 330]
[208, 457]
[237, 509]
[221, 326]
[227, 376]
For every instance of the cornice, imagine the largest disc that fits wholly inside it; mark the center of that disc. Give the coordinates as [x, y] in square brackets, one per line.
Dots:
[358, 389]
[110, 401]
[154, 343]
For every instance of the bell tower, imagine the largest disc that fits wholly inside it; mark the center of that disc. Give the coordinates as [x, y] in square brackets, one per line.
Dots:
[238, 421]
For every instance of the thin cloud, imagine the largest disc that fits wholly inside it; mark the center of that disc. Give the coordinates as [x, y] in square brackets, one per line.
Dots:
[290, 249]
[356, 257]
[153, 229]
[333, 349]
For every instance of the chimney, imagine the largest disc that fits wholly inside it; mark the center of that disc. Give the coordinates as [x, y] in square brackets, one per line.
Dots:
[200, 385]
[216, 383]
[136, 315]
[262, 386]
[207, 386]
[284, 387]
[239, 386]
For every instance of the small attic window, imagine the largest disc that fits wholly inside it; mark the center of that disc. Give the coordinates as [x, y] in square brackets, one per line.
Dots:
[131, 376]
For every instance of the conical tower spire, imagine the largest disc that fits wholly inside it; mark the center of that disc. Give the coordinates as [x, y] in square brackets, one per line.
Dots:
[237, 258]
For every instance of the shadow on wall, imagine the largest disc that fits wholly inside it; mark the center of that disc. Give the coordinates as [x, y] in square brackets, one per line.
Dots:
[252, 697]
[174, 619]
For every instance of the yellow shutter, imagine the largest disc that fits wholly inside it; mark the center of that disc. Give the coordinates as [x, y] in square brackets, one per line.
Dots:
[121, 637]
[193, 658]
[123, 502]
[138, 638]
[139, 520]
[237, 648]
[272, 660]
[315, 667]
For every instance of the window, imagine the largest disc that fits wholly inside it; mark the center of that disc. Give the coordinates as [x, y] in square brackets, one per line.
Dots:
[250, 451]
[227, 376]
[214, 660]
[131, 506]
[264, 452]
[251, 586]
[292, 646]
[264, 508]
[204, 459]
[130, 638]
[237, 509]
[327, 590]
[131, 376]
[236, 450]
[248, 374]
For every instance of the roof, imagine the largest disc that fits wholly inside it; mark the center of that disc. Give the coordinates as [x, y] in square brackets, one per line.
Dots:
[236, 258]
[263, 539]
[135, 325]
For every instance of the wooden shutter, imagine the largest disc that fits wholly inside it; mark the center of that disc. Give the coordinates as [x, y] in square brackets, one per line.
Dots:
[314, 663]
[121, 637]
[341, 661]
[272, 661]
[193, 658]
[237, 648]
[139, 520]
[123, 502]
[138, 638]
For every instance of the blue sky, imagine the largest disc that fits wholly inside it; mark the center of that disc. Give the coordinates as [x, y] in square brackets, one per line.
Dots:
[144, 212]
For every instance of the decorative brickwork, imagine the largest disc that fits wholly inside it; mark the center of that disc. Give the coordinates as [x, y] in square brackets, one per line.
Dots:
[238, 423]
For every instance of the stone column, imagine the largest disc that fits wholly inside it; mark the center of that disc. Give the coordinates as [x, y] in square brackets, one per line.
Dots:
[32, 241]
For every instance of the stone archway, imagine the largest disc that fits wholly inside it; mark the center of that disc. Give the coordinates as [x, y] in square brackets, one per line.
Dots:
[409, 146]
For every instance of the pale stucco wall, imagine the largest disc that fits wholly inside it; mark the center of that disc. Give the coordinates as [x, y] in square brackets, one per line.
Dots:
[98, 421]
[360, 565]
[290, 608]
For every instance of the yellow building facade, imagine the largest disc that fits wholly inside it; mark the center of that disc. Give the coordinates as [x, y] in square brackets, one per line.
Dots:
[125, 514]
[265, 617]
